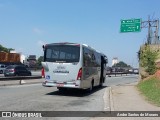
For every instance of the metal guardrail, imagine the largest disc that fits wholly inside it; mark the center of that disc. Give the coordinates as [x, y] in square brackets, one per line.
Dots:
[38, 77]
[120, 73]
[20, 78]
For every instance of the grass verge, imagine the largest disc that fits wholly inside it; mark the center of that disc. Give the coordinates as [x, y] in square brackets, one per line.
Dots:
[150, 88]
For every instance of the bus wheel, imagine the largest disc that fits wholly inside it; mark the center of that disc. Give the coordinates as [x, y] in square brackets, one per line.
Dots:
[91, 86]
[101, 82]
[61, 89]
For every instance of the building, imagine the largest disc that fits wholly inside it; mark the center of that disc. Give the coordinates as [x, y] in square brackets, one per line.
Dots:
[115, 61]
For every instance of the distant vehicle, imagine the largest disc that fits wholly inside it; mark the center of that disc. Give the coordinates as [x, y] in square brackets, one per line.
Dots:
[136, 71]
[31, 61]
[2, 68]
[17, 70]
[130, 70]
[9, 57]
[73, 65]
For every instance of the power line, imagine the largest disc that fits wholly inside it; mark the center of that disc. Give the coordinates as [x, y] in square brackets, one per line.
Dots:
[150, 24]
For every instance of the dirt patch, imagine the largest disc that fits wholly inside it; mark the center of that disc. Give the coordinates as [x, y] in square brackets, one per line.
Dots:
[157, 74]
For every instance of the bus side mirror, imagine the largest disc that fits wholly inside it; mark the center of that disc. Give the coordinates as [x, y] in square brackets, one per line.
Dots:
[106, 61]
[43, 47]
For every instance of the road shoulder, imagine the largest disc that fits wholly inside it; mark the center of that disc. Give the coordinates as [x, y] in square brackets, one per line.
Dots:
[128, 98]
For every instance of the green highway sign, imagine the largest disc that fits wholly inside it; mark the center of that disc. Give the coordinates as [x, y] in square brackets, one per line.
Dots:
[130, 25]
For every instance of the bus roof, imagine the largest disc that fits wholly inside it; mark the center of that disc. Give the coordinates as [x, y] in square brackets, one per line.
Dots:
[63, 43]
[76, 44]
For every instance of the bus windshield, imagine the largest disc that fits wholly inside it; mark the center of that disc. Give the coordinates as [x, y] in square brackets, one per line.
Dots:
[62, 53]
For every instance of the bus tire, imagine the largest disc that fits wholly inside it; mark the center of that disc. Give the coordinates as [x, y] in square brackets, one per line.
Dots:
[91, 86]
[101, 82]
[61, 89]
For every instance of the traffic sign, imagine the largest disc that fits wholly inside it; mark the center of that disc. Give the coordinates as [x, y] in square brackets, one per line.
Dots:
[130, 25]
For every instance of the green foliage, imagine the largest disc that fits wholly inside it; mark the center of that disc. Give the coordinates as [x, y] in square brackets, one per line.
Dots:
[121, 64]
[148, 58]
[40, 59]
[4, 49]
[151, 90]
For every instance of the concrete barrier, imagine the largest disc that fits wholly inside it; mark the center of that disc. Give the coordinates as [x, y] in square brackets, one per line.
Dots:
[19, 78]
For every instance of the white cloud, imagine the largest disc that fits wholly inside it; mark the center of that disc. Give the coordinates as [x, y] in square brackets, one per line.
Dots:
[37, 30]
[20, 50]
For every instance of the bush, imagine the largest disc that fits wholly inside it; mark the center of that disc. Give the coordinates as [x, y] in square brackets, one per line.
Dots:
[148, 58]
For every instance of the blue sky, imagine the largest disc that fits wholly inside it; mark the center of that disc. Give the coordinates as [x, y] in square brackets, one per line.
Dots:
[27, 24]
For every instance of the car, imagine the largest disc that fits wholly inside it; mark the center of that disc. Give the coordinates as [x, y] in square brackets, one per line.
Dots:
[17, 70]
[2, 68]
[136, 71]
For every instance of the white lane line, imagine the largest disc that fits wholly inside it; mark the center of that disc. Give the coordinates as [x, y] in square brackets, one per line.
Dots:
[106, 100]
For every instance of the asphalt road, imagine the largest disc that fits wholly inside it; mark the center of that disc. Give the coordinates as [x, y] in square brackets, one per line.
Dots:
[35, 97]
[121, 80]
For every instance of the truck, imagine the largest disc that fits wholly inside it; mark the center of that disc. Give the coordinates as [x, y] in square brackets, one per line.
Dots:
[9, 58]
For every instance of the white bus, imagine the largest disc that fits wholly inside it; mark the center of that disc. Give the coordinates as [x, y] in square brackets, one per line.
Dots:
[73, 65]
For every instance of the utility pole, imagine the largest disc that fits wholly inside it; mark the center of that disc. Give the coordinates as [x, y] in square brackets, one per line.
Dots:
[149, 24]
[156, 32]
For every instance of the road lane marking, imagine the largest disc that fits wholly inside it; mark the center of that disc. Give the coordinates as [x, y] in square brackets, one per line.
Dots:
[106, 100]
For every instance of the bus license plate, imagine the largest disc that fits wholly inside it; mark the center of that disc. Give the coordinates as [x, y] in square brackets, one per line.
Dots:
[60, 85]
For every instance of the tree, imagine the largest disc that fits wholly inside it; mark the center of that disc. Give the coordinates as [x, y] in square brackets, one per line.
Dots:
[4, 49]
[40, 59]
[121, 64]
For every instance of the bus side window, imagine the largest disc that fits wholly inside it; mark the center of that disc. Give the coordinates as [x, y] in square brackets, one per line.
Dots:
[93, 57]
[86, 57]
[97, 59]
[49, 53]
